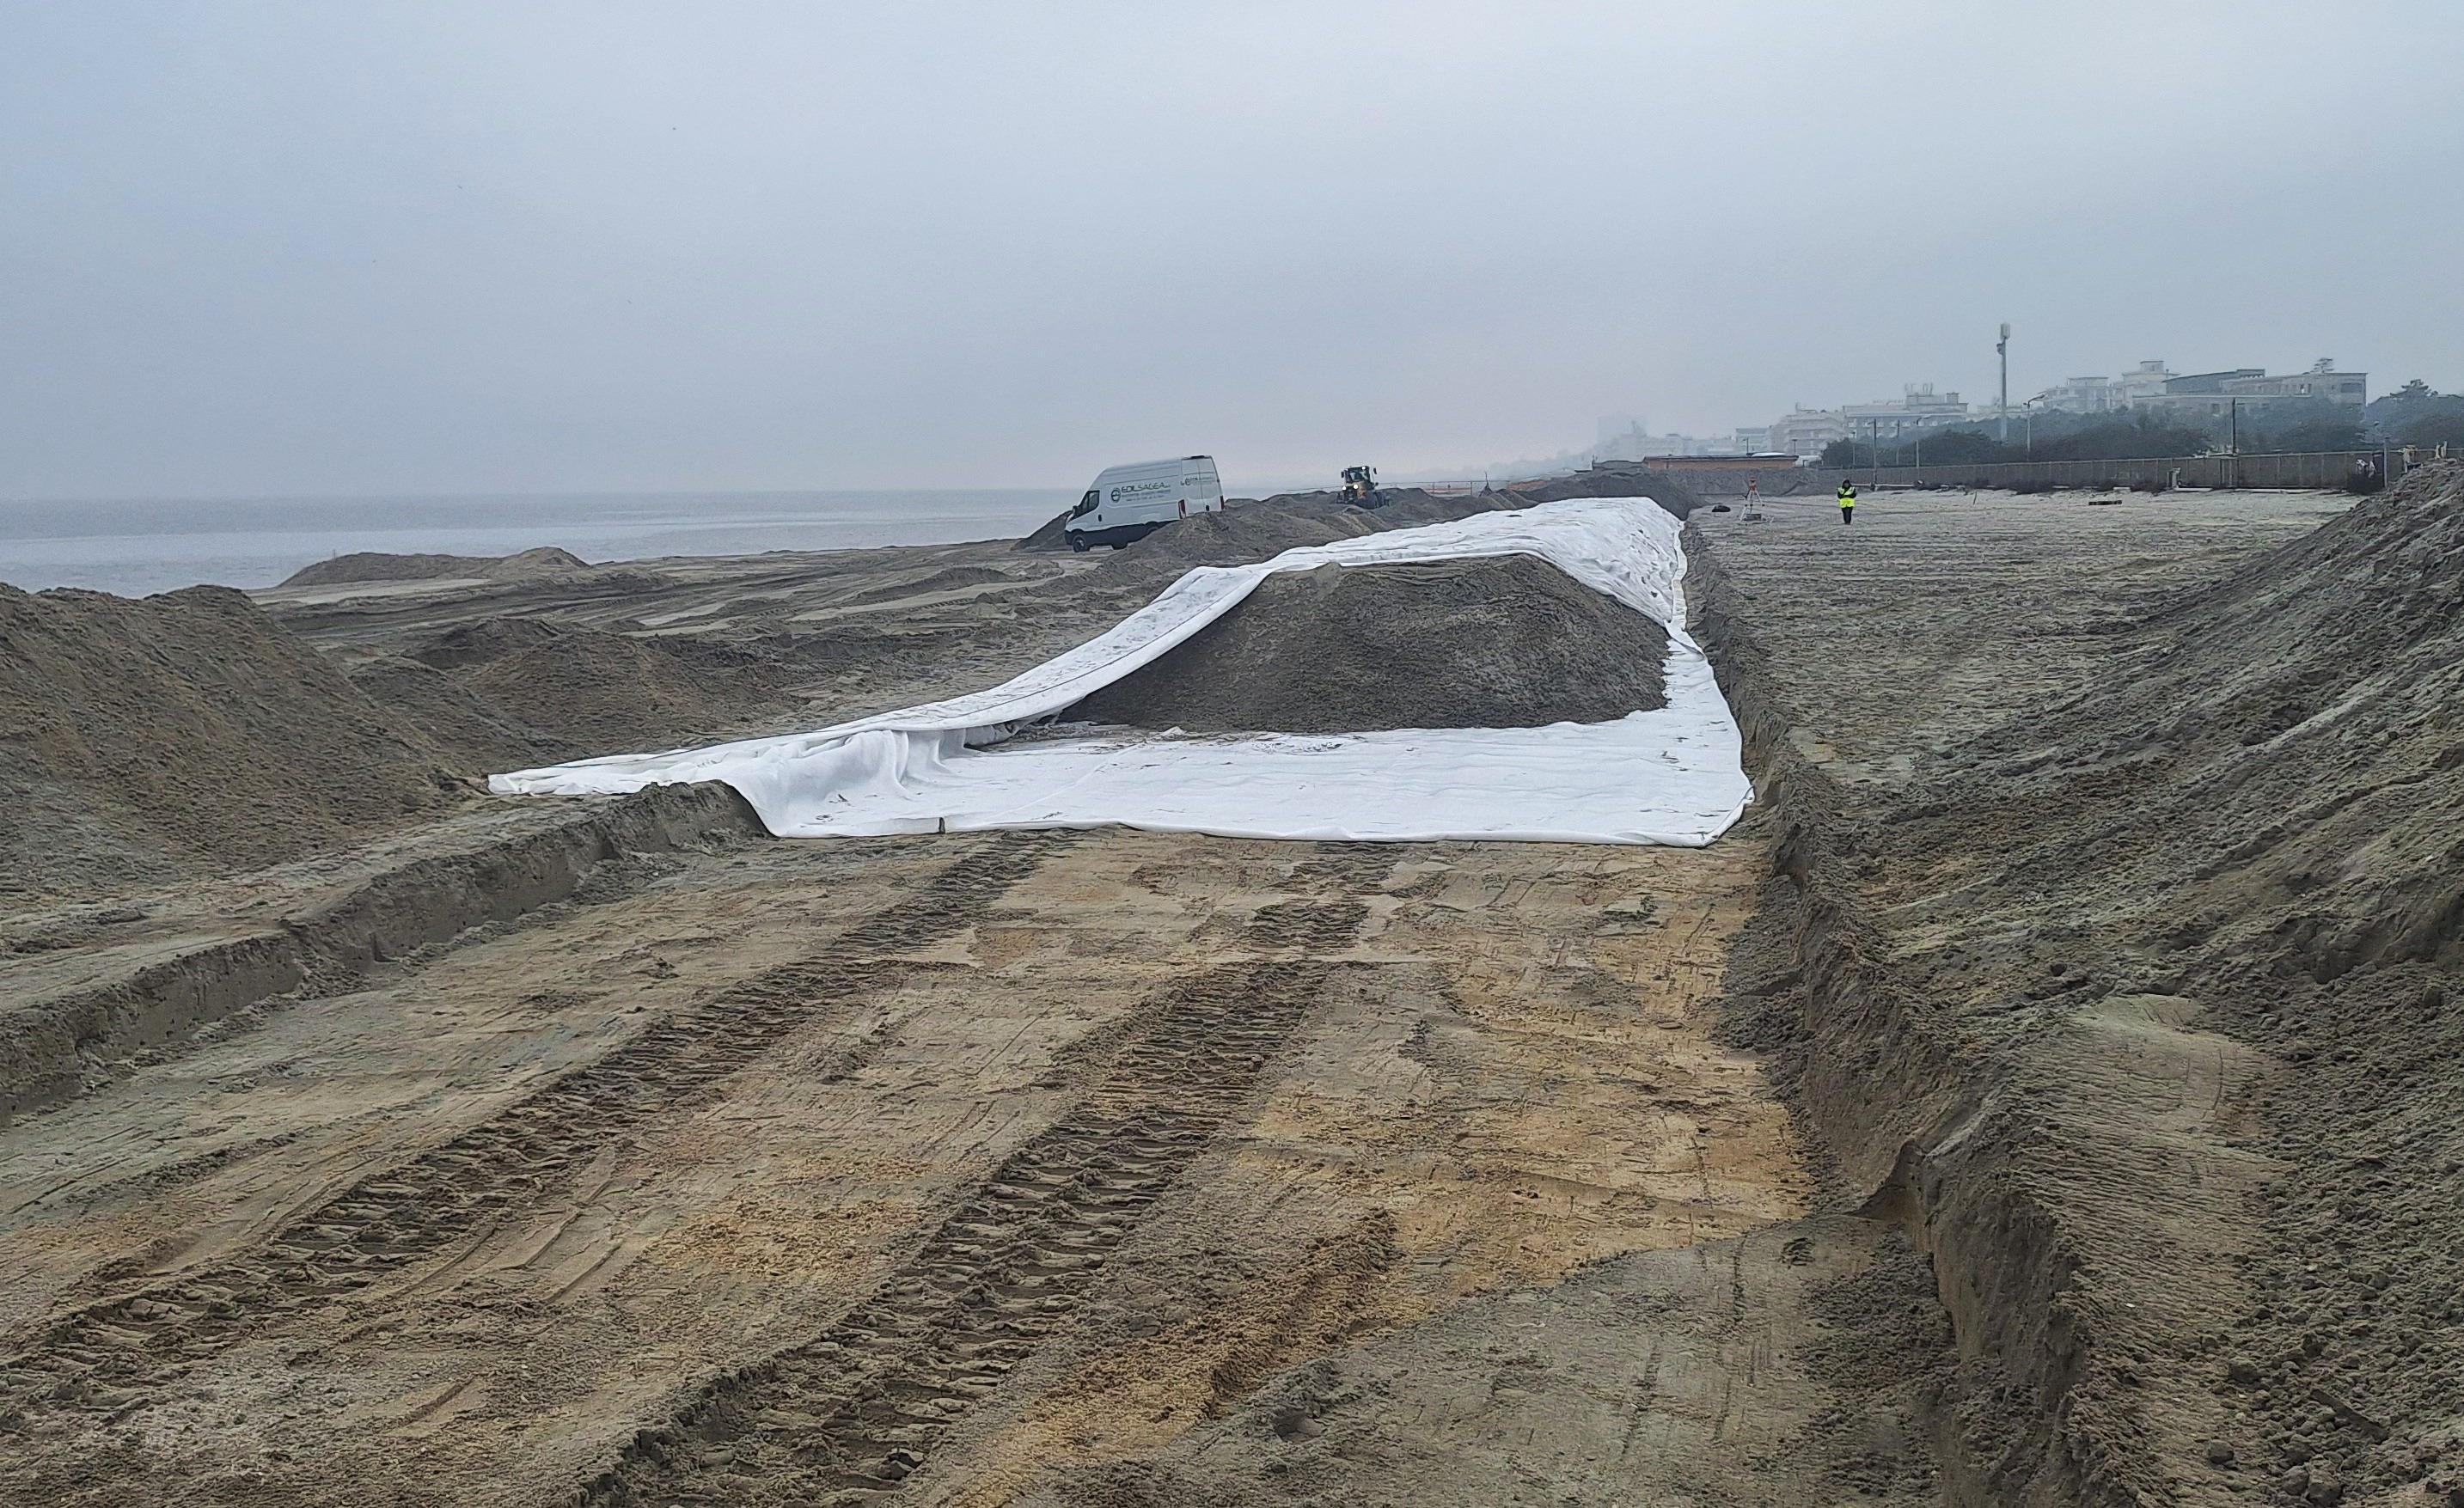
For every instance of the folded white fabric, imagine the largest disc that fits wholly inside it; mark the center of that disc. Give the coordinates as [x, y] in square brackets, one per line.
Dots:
[1672, 776]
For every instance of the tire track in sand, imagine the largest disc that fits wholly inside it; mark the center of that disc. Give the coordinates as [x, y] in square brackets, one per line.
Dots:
[857, 1410]
[105, 1359]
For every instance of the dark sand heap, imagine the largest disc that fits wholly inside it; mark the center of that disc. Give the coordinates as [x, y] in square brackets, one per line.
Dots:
[1498, 642]
[1409, 507]
[144, 741]
[1249, 530]
[2258, 815]
[474, 733]
[1613, 482]
[2315, 697]
[1259, 531]
[506, 692]
[371, 565]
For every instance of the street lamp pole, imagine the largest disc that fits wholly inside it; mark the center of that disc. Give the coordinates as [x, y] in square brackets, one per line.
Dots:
[2002, 349]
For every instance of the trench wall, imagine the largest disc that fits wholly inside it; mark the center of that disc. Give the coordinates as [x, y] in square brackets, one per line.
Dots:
[51, 1046]
[1919, 1118]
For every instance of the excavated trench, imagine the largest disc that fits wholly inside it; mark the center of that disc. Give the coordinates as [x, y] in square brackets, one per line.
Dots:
[2109, 953]
[144, 1000]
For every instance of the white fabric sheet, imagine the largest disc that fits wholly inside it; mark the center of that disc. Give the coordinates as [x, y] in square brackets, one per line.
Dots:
[1673, 776]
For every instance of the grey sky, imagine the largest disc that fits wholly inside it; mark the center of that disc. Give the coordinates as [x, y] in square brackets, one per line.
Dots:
[365, 248]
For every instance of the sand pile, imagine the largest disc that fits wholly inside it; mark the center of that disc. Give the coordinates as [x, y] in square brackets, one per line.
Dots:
[373, 565]
[508, 691]
[1257, 531]
[1409, 507]
[2311, 697]
[1498, 642]
[475, 735]
[1262, 529]
[466, 644]
[1053, 533]
[2261, 811]
[1252, 529]
[1416, 504]
[144, 739]
[1614, 482]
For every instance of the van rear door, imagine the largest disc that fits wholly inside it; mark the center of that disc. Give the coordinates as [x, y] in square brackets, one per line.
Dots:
[1200, 485]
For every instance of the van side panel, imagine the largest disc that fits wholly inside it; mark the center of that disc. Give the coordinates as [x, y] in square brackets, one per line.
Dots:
[1135, 500]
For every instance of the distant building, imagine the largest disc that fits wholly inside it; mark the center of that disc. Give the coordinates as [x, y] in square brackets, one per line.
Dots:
[2105, 395]
[1916, 409]
[1804, 432]
[2322, 383]
[2204, 385]
[2142, 382]
[2196, 396]
[1750, 439]
[1629, 444]
[2206, 397]
[1634, 443]
[1718, 463]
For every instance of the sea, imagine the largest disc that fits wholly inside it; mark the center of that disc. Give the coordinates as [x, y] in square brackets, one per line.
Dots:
[135, 548]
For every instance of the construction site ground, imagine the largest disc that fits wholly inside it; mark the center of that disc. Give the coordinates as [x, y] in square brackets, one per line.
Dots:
[1073, 1167]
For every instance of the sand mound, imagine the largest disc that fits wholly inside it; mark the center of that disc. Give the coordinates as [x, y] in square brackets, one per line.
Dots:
[511, 692]
[1257, 531]
[1250, 529]
[488, 639]
[1499, 642]
[603, 693]
[476, 735]
[1614, 481]
[1409, 508]
[370, 565]
[2261, 811]
[1053, 533]
[1262, 529]
[2333, 664]
[183, 729]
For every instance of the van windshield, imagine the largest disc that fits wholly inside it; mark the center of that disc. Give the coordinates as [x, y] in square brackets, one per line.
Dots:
[1086, 506]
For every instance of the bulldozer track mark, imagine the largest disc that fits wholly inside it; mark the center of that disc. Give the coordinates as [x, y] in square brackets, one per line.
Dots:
[957, 897]
[852, 1412]
[100, 1360]
[1305, 924]
[1343, 870]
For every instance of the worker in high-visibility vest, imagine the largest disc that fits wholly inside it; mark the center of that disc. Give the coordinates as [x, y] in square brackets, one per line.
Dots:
[1847, 501]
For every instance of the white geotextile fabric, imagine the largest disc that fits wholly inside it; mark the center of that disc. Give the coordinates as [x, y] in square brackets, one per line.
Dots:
[1673, 776]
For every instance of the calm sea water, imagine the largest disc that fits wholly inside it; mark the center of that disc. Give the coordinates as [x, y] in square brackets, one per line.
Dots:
[134, 548]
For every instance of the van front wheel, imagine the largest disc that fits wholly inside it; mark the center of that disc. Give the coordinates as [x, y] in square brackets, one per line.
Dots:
[1077, 542]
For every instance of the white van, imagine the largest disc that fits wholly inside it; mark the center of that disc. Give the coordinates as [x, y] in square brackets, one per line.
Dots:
[1129, 502]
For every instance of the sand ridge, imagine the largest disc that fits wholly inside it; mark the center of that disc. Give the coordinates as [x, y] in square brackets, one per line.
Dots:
[1492, 642]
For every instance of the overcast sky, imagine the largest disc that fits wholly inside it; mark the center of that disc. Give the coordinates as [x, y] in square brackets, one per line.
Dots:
[346, 247]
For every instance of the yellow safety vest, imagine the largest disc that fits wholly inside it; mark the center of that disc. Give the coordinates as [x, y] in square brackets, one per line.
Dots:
[1847, 499]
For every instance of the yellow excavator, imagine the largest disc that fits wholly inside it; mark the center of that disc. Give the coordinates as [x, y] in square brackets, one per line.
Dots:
[1360, 487]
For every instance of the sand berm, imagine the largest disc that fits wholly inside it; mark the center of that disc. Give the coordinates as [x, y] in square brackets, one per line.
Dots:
[2143, 1008]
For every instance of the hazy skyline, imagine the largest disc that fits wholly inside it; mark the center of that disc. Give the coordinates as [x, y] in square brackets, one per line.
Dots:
[298, 248]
